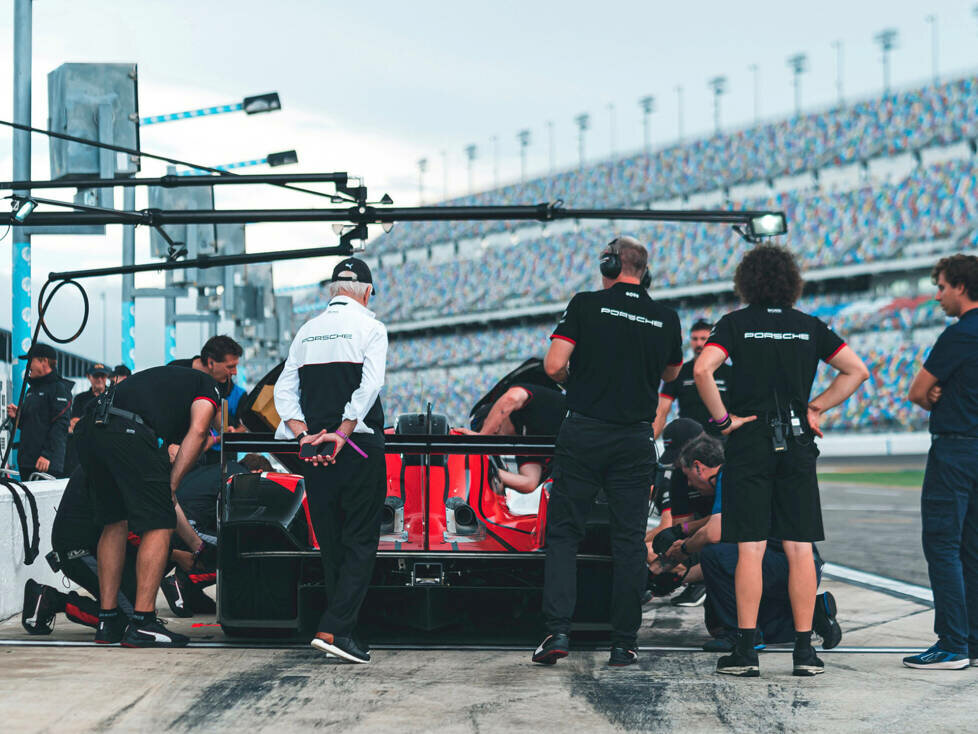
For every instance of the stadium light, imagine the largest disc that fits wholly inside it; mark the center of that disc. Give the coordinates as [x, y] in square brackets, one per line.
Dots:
[523, 136]
[471, 151]
[838, 46]
[494, 140]
[583, 122]
[22, 206]
[934, 48]
[422, 167]
[887, 39]
[611, 127]
[719, 86]
[768, 224]
[798, 65]
[679, 107]
[551, 145]
[647, 103]
[755, 73]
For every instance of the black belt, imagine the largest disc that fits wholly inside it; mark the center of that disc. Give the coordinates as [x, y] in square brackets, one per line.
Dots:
[128, 415]
[639, 424]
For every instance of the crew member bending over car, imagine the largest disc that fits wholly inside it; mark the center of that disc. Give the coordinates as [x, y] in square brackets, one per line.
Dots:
[121, 446]
[524, 409]
[611, 348]
[329, 393]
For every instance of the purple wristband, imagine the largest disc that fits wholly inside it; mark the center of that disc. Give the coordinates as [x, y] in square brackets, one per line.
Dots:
[350, 441]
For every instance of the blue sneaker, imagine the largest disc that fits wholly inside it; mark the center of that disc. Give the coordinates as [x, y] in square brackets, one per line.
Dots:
[937, 659]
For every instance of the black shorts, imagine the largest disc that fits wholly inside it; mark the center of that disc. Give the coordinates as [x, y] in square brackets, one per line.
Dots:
[769, 495]
[128, 475]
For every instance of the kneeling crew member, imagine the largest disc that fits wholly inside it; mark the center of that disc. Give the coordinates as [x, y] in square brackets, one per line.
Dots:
[611, 348]
[525, 410]
[134, 486]
[329, 391]
[770, 484]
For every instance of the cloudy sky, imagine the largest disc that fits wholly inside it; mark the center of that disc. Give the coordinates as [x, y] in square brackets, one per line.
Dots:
[370, 88]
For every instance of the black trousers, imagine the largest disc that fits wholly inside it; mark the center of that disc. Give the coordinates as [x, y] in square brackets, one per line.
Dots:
[593, 455]
[345, 502]
[774, 618]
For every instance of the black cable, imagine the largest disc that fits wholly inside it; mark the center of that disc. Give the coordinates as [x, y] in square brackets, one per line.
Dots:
[153, 156]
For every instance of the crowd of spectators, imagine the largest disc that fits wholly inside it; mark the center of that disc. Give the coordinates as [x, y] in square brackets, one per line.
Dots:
[894, 123]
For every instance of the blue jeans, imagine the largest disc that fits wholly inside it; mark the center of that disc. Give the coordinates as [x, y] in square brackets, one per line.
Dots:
[949, 514]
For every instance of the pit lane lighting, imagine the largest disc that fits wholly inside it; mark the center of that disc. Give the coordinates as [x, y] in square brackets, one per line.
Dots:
[261, 103]
[284, 158]
[251, 105]
[767, 225]
[23, 207]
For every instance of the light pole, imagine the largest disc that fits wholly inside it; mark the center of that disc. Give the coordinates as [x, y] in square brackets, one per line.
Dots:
[444, 175]
[647, 104]
[523, 136]
[679, 109]
[887, 40]
[611, 127]
[249, 105]
[798, 65]
[755, 73]
[20, 251]
[838, 46]
[552, 145]
[470, 153]
[934, 47]
[583, 122]
[422, 167]
[495, 161]
[719, 86]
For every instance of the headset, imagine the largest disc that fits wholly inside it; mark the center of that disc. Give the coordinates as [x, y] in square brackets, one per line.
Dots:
[610, 265]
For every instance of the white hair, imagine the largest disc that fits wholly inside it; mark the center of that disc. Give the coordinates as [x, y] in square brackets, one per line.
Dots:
[350, 288]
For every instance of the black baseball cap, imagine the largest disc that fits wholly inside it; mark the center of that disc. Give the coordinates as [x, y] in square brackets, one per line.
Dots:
[353, 269]
[98, 369]
[40, 350]
[676, 435]
[121, 371]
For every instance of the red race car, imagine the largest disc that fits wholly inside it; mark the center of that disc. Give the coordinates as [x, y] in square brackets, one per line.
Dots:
[455, 564]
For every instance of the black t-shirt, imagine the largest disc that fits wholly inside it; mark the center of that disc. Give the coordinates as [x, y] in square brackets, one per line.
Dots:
[81, 403]
[683, 389]
[162, 396]
[773, 350]
[954, 362]
[74, 525]
[225, 387]
[541, 415]
[623, 341]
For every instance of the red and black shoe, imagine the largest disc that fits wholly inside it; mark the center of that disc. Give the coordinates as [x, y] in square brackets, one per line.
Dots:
[345, 648]
[622, 656]
[553, 648]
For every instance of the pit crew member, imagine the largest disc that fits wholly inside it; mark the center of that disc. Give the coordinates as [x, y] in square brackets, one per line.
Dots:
[683, 388]
[121, 444]
[611, 348]
[947, 386]
[329, 392]
[770, 483]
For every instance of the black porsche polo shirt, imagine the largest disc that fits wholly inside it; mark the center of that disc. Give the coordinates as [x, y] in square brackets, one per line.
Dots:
[775, 351]
[683, 389]
[623, 341]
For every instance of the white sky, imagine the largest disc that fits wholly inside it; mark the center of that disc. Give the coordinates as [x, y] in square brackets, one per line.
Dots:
[370, 88]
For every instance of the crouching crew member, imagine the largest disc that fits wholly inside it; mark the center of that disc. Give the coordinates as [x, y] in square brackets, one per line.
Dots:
[611, 348]
[947, 386]
[329, 393]
[121, 445]
[770, 488]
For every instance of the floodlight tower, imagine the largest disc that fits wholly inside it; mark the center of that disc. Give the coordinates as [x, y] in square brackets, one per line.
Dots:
[494, 140]
[838, 46]
[887, 39]
[798, 65]
[583, 122]
[422, 167]
[523, 136]
[719, 86]
[679, 108]
[647, 103]
[934, 46]
[611, 127]
[551, 144]
[470, 153]
[754, 69]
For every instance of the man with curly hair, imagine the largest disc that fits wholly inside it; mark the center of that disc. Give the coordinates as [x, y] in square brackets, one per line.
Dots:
[947, 386]
[770, 488]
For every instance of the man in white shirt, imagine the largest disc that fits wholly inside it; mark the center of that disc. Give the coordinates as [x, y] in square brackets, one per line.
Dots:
[328, 395]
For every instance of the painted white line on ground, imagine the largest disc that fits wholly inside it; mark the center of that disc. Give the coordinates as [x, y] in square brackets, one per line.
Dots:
[871, 508]
[881, 492]
[875, 581]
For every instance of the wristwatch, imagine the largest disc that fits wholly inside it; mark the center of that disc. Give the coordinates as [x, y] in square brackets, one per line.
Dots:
[302, 435]
[684, 549]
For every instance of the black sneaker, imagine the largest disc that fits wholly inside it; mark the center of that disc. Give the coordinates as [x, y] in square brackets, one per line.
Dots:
[39, 610]
[692, 596]
[174, 592]
[824, 623]
[739, 663]
[111, 630]
[342, 647]
[622, 656]
[807, 662]
[152, 633]
[552, 649]
[193, 591]
[727, 641]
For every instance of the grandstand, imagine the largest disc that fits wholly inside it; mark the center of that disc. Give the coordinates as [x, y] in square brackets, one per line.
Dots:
[874, 193]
